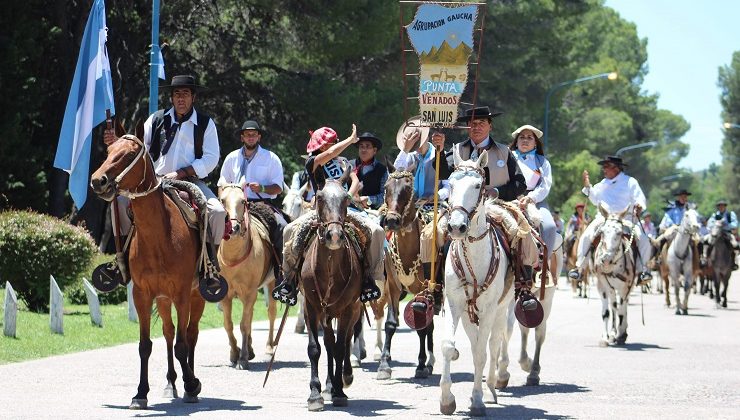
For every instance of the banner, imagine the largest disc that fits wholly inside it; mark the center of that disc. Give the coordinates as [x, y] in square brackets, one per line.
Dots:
[443, 39]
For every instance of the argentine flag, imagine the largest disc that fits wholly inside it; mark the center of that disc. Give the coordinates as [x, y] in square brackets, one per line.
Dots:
[90, 95]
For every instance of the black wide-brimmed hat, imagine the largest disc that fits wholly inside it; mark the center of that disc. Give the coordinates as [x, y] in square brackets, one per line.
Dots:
[613, 159]
[682, 191]
[249, 125]
[182, 81]
[371, 138]
[722, 202]
[478, 113]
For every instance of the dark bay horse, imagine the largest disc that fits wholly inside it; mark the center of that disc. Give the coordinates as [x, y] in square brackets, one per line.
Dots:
[331, 281]
[163, 263]
[403, 267]
[721, 261]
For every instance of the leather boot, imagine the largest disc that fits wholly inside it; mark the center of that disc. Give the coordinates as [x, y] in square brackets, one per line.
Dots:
[522, 290]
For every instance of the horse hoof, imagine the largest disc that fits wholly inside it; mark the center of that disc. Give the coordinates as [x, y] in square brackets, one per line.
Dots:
[502, 383]
[138, 404]
[477, 411]
[724, 304]
[348, 380]
[316, 404]
[429, 369]
[326, 394]
[190, 398]
[421, 374]
[363, 354]
[684, 311]
[269, 350]
[377, 356]
[251, 353]
[447, 409]
[533, 381]
[354, 362]
[678, 311]
[169, 392]
[603, 343]
[300, 329]
[339, 401]
[383, 374]
[242, 365]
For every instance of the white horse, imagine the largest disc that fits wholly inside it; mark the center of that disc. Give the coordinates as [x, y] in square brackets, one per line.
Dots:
[679, 259]
[532, 366]
[294, 206]
[613, 263]
[475, 286]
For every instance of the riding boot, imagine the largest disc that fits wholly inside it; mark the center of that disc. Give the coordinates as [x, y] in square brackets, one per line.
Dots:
[277, 245]
[212, 286]
[286, 291]
[522, 289]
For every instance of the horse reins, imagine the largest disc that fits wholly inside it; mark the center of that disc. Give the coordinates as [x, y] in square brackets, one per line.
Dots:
[140, 154]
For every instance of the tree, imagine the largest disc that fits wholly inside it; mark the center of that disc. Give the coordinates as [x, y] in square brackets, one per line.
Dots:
[729, 83]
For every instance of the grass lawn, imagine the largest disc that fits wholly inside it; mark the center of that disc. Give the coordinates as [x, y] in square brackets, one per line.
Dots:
[35, 340]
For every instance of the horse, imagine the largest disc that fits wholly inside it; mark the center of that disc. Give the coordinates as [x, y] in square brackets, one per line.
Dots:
[294, 206]
[331, 281]
[529, 365]
[403, 267]
[721, 261]
[613, 264]
[474, 288]
[163, 260]
[246, 264]
[679, 259]
[579, 286]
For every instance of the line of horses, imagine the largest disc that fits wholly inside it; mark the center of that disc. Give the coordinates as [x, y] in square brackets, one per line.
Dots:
[163, 269]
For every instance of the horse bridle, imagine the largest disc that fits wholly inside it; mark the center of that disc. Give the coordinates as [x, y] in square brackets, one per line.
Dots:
[245, 214]
[135, 194]
[407, 209]
[470, 213]
[322, 226]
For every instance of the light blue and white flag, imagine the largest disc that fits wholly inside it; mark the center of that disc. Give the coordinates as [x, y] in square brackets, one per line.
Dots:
[90, 95]
[161, 66]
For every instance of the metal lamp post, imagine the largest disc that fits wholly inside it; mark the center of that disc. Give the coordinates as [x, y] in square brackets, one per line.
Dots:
[611, 76]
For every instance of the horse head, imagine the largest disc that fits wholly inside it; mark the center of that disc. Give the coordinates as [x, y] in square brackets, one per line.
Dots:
[331, 209]
[690, 222]
[611, 233]
[235, 203]
[399, 198]
[467, 190]
[127, 170]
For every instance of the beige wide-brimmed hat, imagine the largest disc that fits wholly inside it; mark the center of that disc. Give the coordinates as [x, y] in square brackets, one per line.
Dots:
[411, 125]
[531, 128]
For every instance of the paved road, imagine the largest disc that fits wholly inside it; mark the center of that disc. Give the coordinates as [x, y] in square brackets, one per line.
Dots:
[672, 367]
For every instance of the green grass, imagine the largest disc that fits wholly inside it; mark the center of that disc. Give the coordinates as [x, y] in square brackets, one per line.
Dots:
[35, 340]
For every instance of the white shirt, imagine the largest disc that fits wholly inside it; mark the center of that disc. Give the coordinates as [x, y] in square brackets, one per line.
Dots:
[182, 151]
[538, 184]
[616, 194]
[264, 168]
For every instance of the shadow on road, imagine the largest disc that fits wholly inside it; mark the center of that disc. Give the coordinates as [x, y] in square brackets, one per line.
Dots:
[366, 408]
[433, 379]
[545, 388]
[177, 408]
[261, 366]
[640, 347]
[521, 412]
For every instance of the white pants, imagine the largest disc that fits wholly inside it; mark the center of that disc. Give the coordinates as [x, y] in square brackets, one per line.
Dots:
[643, 244]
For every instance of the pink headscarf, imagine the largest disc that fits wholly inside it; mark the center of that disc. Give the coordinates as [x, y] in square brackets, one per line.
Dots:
[320, 137]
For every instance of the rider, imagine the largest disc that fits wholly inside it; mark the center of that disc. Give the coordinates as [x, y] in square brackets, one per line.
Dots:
[670, 222]
[371, 173]
[504, 180]
[261, 171]
[730, 224]
[529, 151]
[578, 219]
[412, 139]
[559, 223]
[616, 192]
[183, 144]
[325, 163]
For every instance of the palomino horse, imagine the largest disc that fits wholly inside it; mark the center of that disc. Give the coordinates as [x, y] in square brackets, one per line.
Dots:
[721, 261]
[246, 264]
[475, 286]
[403, 267]
[579, 286]
[613, 264]
[163, 263]
[331, 281]
[679, 259]
[532, 366]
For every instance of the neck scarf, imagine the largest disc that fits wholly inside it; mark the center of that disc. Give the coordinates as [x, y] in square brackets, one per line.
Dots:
[525, 155]
[172, 130]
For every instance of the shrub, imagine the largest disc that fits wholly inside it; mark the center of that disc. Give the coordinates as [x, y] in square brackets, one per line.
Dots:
[34, 246]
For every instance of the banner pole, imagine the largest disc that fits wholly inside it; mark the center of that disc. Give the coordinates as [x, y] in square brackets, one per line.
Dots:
[154, 61]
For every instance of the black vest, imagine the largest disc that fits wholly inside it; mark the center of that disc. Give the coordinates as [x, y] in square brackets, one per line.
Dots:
[371, 180]
[161, 122]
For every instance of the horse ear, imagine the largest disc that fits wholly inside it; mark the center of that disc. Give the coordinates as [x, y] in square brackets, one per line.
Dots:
[602, 210]
[120, 131]
[243, 185]
[345, 176]
[483, 159]
[456, 157]
[621, 214]
[389, 165]
[139, 130]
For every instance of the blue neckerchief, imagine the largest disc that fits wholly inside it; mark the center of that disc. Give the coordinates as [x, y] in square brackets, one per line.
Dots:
[525, 155]
[420, 175]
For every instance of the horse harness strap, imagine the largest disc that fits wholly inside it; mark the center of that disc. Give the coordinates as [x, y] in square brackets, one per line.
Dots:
[129, 194]
[246, 231]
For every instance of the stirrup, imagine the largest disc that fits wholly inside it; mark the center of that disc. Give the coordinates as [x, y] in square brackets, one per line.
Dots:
[212, 286]
[644, 277]
[285, 293]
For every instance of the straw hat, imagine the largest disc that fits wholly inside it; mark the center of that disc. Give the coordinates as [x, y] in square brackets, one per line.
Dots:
[408, 128]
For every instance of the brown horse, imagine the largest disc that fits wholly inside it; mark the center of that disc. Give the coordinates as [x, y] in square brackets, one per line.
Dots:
[246, 264]
[403, 268]
[163, 263]
[331, 281]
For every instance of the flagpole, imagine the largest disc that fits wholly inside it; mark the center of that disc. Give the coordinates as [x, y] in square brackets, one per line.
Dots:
[433, 272]
[154, 61]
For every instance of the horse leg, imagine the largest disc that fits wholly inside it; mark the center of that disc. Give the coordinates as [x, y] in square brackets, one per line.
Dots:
[688, 282]
[164, 308]
[378, 335]
[358, 344]
[478, 336]
[226, 306]
[716, 283]
[391, 324]
[604, 311]
[300, 323]
[430, 348]
[622, 308]
[182, 349]
[447, 403]
[315, 400]
[725, 283]
[343, 373]
[496, 343]
[143, 303]
[539, 338]
[271, 316]
[421, 372]
[245, 325]
[676, 280]
[503, 375]
[329, 341]
[197, 306]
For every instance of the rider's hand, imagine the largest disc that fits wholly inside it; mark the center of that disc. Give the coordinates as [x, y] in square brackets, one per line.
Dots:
[255, 187]
[410, 138]
[365, 201]
[524, 202]
[586, 180]
[638, 210]
[109, 136]
[171, 175]
[353, 136]
[438, 140]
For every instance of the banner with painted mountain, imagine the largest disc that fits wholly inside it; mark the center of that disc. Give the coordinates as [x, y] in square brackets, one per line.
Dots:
[443, 39]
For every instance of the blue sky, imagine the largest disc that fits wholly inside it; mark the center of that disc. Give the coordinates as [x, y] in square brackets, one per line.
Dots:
[688, 40]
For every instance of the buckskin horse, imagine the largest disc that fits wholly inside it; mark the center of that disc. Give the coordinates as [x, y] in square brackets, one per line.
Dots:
[475, 286]
[246, 264]
[403, 267]
[163, 262]
[331, 281]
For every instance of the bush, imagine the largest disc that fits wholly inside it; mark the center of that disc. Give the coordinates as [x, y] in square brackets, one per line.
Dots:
[34, 246]
[76, 295]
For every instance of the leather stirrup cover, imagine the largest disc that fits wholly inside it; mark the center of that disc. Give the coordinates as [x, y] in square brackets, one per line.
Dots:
[418, 320]
[106, 277]
[529, 319]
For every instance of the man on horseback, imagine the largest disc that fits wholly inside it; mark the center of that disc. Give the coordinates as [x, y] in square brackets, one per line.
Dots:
[730, 225]
[183, 144]
[261, 171]
[670, 222]
[371, 173]
[616, 192]
[578, 220]
[324, 163]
